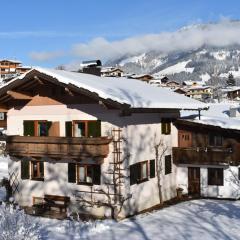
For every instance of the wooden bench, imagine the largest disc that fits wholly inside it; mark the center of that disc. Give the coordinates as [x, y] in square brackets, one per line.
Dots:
[49, 201]
[56, 201]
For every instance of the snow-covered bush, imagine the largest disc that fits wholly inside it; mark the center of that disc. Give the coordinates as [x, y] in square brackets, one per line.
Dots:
[16, 225]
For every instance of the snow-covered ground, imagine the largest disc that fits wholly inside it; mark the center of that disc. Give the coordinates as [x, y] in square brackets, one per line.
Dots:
[197, 219]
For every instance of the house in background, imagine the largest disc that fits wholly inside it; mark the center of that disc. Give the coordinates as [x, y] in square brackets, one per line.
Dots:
[111, 72]
[208, 157]
[88, 139]
[11, 68]
[142, 77]
[202, 93]
[92, 67]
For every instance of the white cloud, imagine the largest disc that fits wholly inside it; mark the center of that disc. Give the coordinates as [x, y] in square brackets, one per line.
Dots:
[45, 56]
[219, 34]
[223, 33]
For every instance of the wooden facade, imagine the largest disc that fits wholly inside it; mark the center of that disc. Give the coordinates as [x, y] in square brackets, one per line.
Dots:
[58, 147]
[204, 144]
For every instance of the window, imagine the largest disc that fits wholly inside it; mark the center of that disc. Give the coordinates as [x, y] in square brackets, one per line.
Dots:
[166, 126]
[144, 171]
[85, 174]
[215, 176]
[168, 164]
[37, 170]
[33, 170]
[139, 172]
[87, 128]
[215, 140]
[36, 128]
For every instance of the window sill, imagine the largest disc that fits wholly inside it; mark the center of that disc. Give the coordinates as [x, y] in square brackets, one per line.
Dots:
[85, 183]
[37, 179]
[216, 185]
[142, 180]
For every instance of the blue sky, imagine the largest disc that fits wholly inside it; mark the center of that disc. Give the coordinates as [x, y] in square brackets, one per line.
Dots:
[45, 32]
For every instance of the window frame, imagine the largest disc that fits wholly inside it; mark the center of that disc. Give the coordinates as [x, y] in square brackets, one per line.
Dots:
[215, 180]
[215, 139]
[86, 130]
[166, 126]
[36, 127]
[86, 166]
[40, 176]
[142, 179]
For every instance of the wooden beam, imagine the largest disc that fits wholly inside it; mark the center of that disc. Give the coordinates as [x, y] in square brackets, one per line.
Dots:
[69, 91]
[38, 80]
[19, 95]
[3, 108]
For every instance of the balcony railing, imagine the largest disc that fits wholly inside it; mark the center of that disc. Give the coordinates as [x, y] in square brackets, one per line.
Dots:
[58, 147]
[202, 156]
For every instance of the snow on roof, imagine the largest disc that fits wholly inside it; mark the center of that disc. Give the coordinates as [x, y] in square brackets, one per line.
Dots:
[231, 89]
[199, 87]
[123, 90]
[219, 122]
[216, 115]
[10, 60]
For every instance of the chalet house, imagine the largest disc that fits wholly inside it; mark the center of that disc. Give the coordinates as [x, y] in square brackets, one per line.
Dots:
[143, 77]
[232, 93]
[11, 68]
[111, 72]
[200, 92]
[90, 140]
[208, 158]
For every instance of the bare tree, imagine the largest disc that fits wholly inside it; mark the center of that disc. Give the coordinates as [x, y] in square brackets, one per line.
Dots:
[160, 149]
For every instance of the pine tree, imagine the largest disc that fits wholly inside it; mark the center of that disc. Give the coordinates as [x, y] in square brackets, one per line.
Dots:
[231, 80]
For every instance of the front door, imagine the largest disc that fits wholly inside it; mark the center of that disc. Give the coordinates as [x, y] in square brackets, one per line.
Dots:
[194, 181]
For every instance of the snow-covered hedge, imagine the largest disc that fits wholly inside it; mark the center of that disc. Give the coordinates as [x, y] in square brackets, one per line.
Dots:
[16, 225]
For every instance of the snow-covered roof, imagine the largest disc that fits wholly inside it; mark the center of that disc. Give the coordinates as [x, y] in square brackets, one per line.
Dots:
[10, 60]
[133, 92]
[217, 115]
[199, 87]
[219, 122]
[231, 89]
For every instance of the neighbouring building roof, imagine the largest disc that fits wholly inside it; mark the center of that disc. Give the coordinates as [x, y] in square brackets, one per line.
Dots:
[133, 92]
[9, 60]
[217, 115]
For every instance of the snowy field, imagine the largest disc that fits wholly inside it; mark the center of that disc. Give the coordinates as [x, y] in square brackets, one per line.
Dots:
[197, 219]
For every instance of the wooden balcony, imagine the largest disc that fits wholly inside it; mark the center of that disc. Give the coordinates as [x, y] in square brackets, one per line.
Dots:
[203, 156]
[58, 147]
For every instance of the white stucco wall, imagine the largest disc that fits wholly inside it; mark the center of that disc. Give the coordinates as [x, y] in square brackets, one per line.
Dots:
[141, 132]
[230, 188]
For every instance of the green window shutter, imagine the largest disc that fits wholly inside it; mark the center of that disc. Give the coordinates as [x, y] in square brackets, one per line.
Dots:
[25, 169]
[68, 129]
[97, 174]
[163, 125]
[135, 173]
[28, 128]
[152, 168]
[42, 169]
[72, 172]
[168, 164]
[94, 129]
[49, 124]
